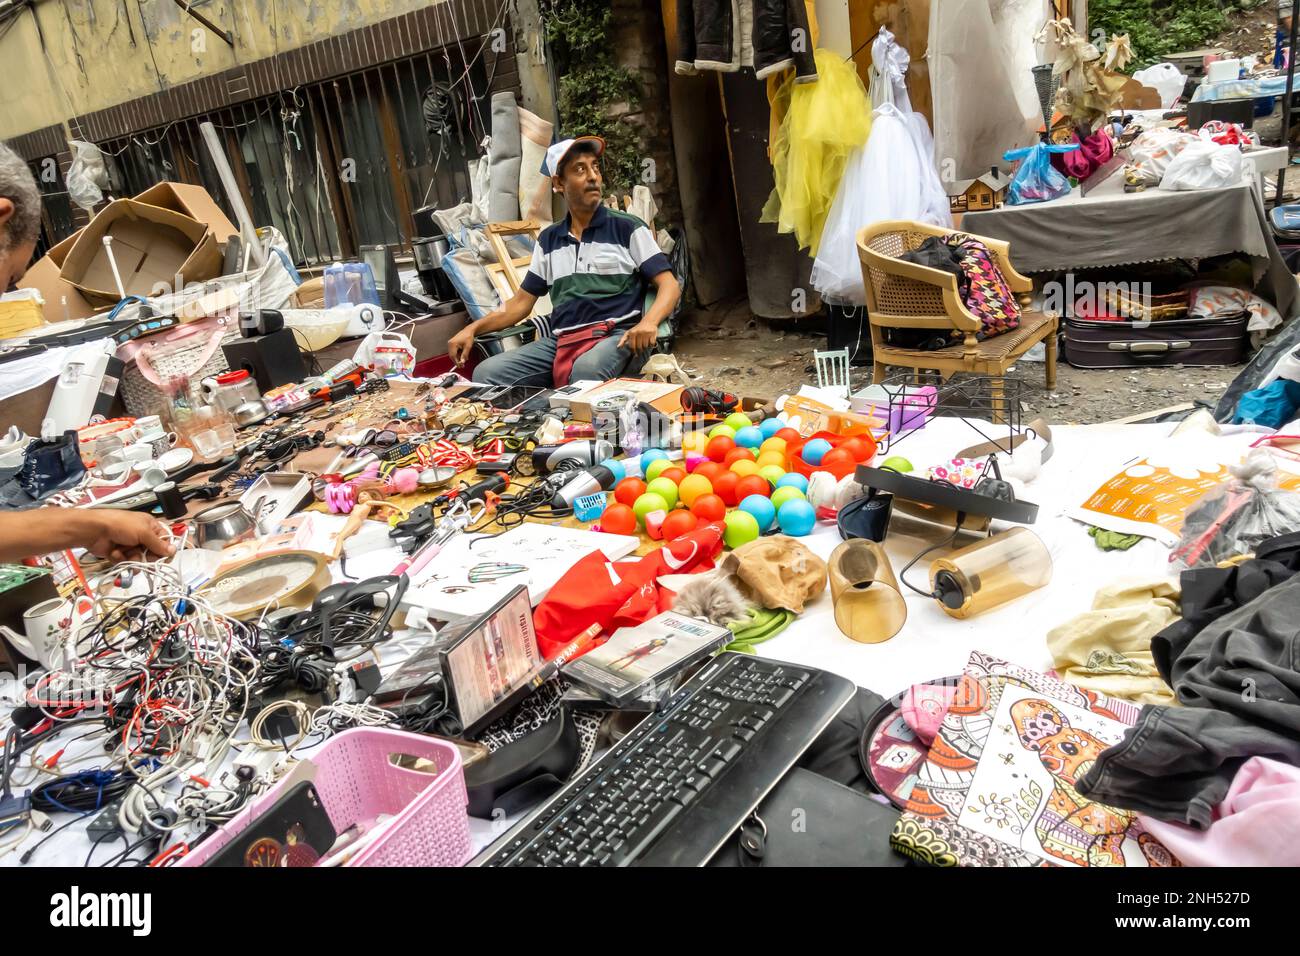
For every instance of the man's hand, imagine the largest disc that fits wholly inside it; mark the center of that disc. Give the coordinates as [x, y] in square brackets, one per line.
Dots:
[458, 345]
[641, 337]
[125, 535]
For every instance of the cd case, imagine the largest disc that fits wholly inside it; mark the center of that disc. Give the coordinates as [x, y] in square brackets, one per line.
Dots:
[636, 660]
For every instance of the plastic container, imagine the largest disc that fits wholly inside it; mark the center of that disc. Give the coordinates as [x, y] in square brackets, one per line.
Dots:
[991, 572]
[231, 389]
[868, 605]
[358, 781]
[795, 463]
[350, 283]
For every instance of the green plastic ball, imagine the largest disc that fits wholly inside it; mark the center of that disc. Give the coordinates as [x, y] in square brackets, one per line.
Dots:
[737, 420]
[656, 468]
[742, 528]
[647, 503]
[897, 463]
[717, 430]
[773, 473]
[664, 488]
[787, 493]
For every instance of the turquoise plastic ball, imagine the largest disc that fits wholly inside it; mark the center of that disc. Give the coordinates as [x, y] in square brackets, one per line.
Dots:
[815, 450]
[761, 508]
[796, 518]
[770, 426]
[793, 480]
[617, 467]
[749, 437]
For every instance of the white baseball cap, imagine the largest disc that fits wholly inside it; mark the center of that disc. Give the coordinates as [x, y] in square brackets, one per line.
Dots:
[555, 156]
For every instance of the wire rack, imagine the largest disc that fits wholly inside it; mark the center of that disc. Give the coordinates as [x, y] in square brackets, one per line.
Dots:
[991, 407]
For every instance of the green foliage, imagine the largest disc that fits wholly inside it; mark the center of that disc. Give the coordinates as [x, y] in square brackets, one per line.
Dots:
[593, 88]
[1157, 27]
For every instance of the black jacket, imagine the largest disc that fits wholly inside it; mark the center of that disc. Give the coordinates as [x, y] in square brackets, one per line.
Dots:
[724, 35]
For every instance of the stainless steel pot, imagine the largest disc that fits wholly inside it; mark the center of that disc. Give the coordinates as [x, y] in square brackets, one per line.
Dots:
[224, 524]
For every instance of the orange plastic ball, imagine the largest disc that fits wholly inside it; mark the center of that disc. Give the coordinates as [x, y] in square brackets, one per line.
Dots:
[679, 523]
[711, 470]
[618, 519]
[752, 485]
[627, 491]
[737, 454]
[860, 448]
[745, 467]
[725, 487]
[789, 434]
[692, 487]
[709, 508]
[718, 447]
[837, 459]
[675, 475]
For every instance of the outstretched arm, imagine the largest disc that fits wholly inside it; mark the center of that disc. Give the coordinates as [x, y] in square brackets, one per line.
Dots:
[120, 535]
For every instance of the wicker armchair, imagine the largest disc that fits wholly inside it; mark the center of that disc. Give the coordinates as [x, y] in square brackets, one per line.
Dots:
[909, 296]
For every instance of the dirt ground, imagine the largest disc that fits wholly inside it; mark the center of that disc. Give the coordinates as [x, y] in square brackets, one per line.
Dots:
[731, 350]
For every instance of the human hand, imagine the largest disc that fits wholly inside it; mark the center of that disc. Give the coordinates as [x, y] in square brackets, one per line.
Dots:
[641, 337]
[458, 346]
[126, 535]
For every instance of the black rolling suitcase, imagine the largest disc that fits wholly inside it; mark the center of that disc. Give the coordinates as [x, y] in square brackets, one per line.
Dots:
[1216, 340]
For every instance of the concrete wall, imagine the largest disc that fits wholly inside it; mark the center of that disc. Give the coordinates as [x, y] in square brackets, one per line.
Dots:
[105, 52]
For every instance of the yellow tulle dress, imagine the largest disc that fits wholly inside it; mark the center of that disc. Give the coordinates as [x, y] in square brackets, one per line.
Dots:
[823, 122]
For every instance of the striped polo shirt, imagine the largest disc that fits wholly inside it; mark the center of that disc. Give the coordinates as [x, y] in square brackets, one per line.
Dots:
[601, 278]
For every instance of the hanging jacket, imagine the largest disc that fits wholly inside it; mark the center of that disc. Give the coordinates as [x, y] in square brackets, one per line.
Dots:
[724, 35]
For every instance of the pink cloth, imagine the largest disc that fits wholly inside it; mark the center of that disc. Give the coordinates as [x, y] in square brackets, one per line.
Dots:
[1092, 154]
[1257, 824]
[923, 709]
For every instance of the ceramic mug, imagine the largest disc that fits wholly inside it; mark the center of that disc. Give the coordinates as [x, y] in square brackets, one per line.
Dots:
[161, 441]
[47, 626]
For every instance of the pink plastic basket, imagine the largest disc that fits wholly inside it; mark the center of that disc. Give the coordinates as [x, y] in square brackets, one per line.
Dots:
[357, 780]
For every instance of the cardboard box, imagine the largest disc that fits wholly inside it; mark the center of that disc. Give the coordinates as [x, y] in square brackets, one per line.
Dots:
[63, 300]
[664, 396]
[151, 245]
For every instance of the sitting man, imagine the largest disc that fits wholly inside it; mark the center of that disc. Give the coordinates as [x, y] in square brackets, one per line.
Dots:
[595, 263]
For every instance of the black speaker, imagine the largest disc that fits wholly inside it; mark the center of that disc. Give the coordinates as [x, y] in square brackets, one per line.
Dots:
[261, 322]
[273, 360]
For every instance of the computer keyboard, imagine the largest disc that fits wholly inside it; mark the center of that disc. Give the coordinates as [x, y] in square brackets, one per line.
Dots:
[673, 790]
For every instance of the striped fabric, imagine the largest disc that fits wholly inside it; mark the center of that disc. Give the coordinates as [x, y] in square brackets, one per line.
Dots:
[602, 278]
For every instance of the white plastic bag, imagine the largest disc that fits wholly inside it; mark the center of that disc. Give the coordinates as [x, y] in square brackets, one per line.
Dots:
[390, 353]
[1154, 150]
[87, 177]
[1202, 165]
[1165, 79]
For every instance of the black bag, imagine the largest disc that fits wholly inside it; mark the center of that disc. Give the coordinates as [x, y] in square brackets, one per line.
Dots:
[1217, 340]
[808, 820]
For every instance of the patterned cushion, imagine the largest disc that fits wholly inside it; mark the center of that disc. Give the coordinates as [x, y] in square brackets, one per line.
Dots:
[988, 297]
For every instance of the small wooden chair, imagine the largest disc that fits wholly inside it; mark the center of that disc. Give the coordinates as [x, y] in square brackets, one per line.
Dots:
[904, 295]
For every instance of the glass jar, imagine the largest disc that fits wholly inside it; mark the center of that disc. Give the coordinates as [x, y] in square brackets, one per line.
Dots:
[229, 390]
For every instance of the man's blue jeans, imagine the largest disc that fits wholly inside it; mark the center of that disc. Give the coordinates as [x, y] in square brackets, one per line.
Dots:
[531, 364]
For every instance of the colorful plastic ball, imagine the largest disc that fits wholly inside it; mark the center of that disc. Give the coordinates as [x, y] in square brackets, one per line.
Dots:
[675, 475]
[738, 420]
[796, 518]
[724, 431]
[772, 473]
[737, 454]
[771, 458]
[793, 480]
[694, 460]
[788, 435]
[725, 487]
[761, 507]
[679, 523]
[618, 519]
[618, 468]
[695, 441]
[837, 460]
[897, 463]
[627, 491]
[711, 470]
[709, 508]
[749, 436]
[742, 528]
[657, 467]
[773, 444]
[691, 487]
[654, 525]
[652, 454]
[815, 450]
[753, 485]
[781, 495]
[860, 448]
[718, 447]
[744, 467]
[664, 488]
[647, 503]
[770, 426]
